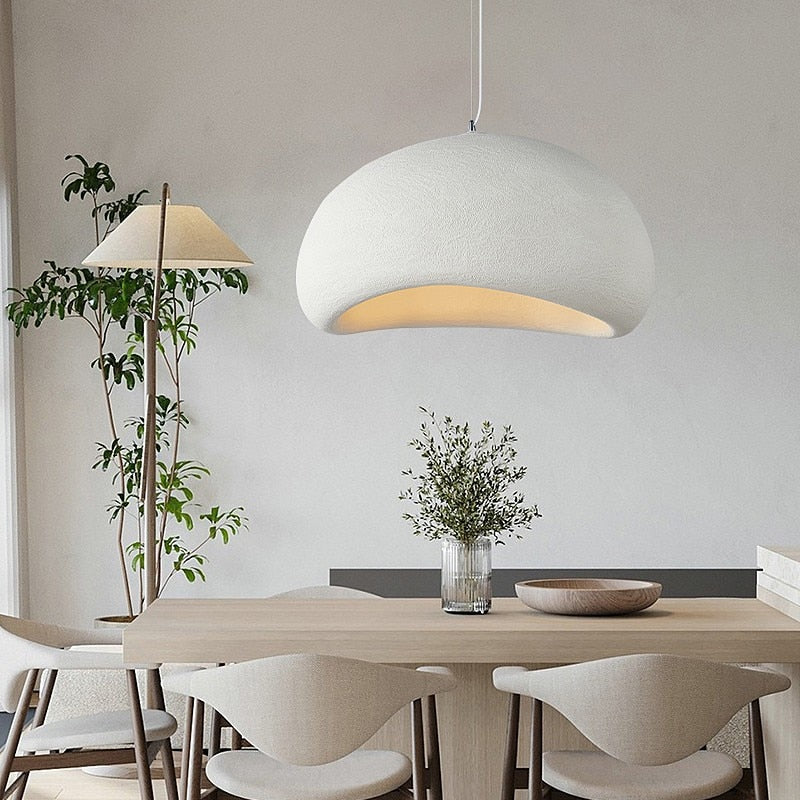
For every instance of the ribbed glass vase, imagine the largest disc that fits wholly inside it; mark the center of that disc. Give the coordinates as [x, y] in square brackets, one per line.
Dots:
[467, 576]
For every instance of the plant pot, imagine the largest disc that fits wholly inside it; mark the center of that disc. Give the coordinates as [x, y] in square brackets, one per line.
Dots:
[120, 771]
[467, 576]
[115, 621]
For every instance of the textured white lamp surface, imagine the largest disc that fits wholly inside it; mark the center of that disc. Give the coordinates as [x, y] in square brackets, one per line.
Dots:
[477, 230]
[192, 241]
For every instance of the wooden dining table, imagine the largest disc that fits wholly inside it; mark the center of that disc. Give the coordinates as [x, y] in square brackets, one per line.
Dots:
[473, 717]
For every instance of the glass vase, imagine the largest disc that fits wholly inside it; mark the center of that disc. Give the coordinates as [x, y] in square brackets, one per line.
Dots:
[467, 576]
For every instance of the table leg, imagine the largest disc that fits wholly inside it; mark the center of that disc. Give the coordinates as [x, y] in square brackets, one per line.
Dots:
[780, 716]
[472, 729]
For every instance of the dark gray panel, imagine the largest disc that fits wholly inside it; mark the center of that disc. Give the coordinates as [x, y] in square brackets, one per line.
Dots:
[676, 582]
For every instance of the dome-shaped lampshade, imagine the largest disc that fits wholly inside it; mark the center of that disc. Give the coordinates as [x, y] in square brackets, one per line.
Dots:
[477, 230]
[192, 240]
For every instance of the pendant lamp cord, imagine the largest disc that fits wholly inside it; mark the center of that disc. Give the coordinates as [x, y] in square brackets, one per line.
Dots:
[474, 121]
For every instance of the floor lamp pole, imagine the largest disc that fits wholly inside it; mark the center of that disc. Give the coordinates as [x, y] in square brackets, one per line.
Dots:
[151, 565]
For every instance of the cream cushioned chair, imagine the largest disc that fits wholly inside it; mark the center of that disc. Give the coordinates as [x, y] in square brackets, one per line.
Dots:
[306, 716]
[649, 715]
[216, 723]
[29, 648]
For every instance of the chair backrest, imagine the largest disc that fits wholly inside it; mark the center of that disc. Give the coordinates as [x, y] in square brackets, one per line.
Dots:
[645, 709]
[308, 709]
[24, 645]
[326, 593]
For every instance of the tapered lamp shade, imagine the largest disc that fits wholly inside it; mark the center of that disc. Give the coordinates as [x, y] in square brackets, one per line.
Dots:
[192, 240]
[477, 230]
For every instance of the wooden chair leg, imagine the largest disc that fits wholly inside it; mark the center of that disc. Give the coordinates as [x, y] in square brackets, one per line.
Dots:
[535, 769]
[139, 739]
[45, 695]
[168, 763]
[512, 742]
[196, 762]
[418, 751]
[236, 739]
[165, 747]
[215, 737]
[758, 763]
[434, 758]
[17, 724]
[186, 753]
[158, 689]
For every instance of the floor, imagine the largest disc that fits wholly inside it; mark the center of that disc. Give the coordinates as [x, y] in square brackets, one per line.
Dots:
[72, 784]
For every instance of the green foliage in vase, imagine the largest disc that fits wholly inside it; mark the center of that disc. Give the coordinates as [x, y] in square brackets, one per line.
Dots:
[115, 303]
[464, 490]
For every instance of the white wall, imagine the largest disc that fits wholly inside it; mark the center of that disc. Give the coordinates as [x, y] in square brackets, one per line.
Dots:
[675, 447]
[13, 566]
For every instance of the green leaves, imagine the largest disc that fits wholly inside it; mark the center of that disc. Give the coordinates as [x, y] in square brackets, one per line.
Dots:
[224, 524]
[127, 368]
[115, 303]
[91, 180]
[464, 491]
[185, 562]
[99, 298]
[107, 454]
[136, 552]
[115, 211]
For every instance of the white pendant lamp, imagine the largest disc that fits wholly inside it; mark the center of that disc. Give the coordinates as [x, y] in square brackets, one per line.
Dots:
[477, 230]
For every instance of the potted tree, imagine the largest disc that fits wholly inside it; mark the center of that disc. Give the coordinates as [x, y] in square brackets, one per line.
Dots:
[464, 498]
[113, 305]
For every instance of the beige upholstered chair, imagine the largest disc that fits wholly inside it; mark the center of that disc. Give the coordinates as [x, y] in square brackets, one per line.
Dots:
[649, 715]
[29, 649]
[325, 593]
[306, 716]
[216, 723]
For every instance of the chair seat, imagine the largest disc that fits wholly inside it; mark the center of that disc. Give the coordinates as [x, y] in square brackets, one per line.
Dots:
[254, 776]
[97, 730]
[600, 777]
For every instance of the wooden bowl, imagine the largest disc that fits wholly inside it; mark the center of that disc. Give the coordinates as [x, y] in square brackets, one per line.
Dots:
[587, 597]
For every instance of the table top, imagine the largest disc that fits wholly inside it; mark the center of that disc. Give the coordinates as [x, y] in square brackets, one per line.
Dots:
[414, 631]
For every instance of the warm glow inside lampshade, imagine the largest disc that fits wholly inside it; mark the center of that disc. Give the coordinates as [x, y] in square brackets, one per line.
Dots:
[192, 240]
[477, 230]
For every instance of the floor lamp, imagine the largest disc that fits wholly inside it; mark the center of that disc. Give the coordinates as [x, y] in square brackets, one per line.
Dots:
[160, 237]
